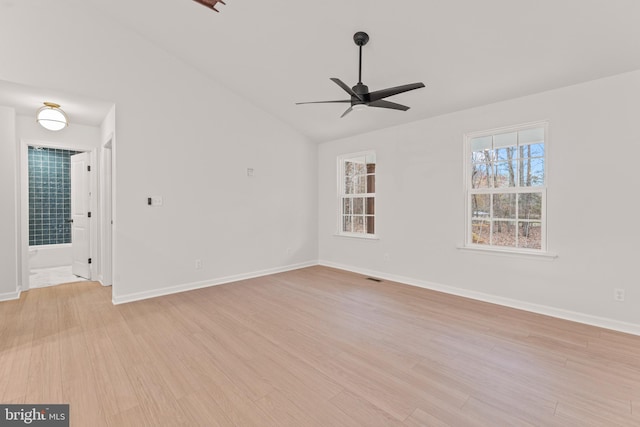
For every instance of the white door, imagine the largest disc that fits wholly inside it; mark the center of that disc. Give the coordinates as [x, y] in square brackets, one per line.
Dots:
[80, 215]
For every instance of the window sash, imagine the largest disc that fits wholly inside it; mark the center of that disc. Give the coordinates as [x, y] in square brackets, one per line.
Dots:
[491, 219]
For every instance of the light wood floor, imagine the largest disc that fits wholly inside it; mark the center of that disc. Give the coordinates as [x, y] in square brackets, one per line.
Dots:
[313, 347]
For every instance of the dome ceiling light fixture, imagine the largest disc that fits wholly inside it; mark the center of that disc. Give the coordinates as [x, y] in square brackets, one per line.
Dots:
[51, 117]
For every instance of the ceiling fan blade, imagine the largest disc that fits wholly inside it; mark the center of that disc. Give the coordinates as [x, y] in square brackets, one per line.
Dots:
[323, 102]
[383, 93]
[348, 110]
[388, 104]
[345, 87]
[210, 3]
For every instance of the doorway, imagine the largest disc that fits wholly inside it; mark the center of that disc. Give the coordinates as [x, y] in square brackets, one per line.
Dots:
[53, 241]
[58, 240]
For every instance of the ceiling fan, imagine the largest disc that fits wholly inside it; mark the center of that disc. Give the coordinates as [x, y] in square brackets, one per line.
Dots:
[360, 95]
[211, 4]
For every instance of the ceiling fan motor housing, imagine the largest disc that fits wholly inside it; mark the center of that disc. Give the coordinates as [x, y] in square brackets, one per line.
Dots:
[361, 38]
[362, 91]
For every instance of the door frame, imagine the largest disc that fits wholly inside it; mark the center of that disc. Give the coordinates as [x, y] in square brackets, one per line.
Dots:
[107, 202]
[24, 203]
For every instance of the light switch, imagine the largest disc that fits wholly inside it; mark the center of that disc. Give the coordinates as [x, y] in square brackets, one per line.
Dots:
[156, 200]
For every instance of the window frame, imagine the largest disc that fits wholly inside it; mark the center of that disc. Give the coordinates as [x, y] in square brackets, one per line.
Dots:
[341, 195]
[469, 192]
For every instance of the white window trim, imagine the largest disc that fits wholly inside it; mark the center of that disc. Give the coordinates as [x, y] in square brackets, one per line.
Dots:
[357, 236]
[509, 252]
[340, 193]
[505, 250]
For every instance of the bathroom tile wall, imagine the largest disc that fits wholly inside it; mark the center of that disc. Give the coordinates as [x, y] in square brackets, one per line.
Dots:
[49, 196]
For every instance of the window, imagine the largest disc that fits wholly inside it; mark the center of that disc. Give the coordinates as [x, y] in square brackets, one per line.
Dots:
[356, 194]
[506, 188]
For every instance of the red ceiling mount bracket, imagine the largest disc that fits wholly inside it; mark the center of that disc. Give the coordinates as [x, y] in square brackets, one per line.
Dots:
[210, 3]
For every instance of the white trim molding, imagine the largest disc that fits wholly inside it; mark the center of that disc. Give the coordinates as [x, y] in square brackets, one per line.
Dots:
[9, 296]
[137, 296]
[509, 252]
[601, 322]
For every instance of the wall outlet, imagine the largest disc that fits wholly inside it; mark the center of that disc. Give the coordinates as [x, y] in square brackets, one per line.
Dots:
[289, 251]
[618, 294]
[198, 264]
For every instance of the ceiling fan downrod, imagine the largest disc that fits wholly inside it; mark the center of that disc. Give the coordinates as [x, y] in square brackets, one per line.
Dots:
[360, 38]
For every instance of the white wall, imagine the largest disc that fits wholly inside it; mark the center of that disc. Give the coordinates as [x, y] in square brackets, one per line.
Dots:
[108, 126]
[8, 223]
[195, 157]
[77, 136]
[593, 153]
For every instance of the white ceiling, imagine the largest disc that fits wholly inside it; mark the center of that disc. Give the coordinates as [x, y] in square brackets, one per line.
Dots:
[468, 52]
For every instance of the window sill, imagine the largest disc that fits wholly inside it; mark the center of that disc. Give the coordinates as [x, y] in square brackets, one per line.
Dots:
[509, 252]
[358, 236]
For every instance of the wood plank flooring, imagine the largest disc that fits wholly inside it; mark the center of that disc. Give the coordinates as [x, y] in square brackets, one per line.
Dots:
[312, 347]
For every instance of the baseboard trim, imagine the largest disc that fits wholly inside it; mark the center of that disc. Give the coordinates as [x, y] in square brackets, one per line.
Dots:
[101, 281]
[602, 322]
[573, 316]
[9, 296]
[137, 296]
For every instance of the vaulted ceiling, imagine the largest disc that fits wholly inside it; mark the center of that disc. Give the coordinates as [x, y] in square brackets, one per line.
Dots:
[468, 53]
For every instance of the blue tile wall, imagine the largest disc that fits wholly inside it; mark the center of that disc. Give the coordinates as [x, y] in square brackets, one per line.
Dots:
[49, 196]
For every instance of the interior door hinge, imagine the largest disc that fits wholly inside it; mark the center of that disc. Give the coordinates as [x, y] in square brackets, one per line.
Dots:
[88, 168]
[88, 214]
[89, 260]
